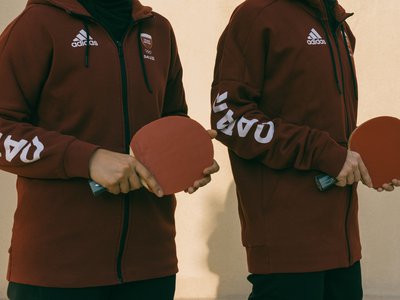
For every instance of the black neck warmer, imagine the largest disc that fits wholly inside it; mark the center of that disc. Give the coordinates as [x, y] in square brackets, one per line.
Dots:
[114, 15]
[330, 6]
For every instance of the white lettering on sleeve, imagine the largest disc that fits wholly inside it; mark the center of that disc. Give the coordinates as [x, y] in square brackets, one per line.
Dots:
[268, 137]
[36, 155]
[245, 125]
[229, 130]
[219, 99]
[226, 123]
[13, 147]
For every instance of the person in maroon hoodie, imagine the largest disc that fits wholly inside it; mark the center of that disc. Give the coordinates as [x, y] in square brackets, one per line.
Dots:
[284, 102]
[78, 80]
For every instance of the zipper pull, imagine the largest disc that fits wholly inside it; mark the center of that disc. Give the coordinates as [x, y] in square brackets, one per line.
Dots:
[119, 46]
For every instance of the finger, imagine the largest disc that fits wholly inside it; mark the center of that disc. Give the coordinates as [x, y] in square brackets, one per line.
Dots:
[388, 187]
[212, 169]
[350, 179]
[365, 178]
[340, 181]
[114, 189]
[191, 190]
[357, 175]
[379, 190]
[134, 181]
[212, 133]
[202, 182]
[149, 180]
[143, 183]
[124, 186]
[396, 182]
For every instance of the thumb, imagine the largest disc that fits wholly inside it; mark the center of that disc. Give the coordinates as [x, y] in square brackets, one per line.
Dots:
[212, 133]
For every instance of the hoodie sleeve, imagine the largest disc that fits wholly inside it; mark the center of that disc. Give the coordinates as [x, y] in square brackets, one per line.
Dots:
[25, 149]
[174, 101]
[239, 77]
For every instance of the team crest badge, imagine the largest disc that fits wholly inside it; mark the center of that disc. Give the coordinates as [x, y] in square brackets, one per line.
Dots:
[147, 41]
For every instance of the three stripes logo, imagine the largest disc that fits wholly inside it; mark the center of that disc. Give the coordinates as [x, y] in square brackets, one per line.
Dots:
[314, 38]
[81, 40]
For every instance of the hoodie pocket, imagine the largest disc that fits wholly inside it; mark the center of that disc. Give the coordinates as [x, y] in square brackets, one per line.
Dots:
[255, 188]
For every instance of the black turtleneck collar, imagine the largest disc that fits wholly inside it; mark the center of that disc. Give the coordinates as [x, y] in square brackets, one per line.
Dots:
[114, 15]
[330, 7]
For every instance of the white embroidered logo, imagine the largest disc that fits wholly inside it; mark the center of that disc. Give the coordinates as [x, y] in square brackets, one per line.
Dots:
[314, 38]
[81, 40]
[147, 42]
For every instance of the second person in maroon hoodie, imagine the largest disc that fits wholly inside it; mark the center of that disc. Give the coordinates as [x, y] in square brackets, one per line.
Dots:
[284, 102]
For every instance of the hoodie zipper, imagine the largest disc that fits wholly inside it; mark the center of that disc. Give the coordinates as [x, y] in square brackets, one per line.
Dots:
[126, 205]
[126, 202]
[346, 119]
[348, 132]
[347, 125]
[127, 133]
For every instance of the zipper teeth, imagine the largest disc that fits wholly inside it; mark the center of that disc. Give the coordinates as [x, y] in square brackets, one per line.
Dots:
[126, 202]
[353, 73]
[127, 138]
[350, 191]
[347, 133]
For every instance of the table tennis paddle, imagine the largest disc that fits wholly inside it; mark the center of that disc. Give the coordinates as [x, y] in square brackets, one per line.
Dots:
[175, 149]
[378, 142]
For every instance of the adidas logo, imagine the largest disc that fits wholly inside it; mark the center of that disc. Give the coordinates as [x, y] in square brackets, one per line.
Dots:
[315, 39]
[81, 40]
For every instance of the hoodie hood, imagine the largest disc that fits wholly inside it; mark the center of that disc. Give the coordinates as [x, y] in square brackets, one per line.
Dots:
[319, 9]
[74, 7]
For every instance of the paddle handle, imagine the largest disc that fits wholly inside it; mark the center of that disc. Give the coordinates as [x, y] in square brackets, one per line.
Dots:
[96, 188]
[324, 182]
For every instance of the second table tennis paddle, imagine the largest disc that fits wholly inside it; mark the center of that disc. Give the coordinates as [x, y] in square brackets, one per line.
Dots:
[378, 142]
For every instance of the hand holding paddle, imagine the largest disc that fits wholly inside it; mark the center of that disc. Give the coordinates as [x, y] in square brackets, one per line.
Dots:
[207, 172]
[353, 171]
[171, 154]
[389, 187]
[374, 148]
[121, 173]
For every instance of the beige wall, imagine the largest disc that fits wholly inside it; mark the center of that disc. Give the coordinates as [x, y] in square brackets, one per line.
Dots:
[212, 262]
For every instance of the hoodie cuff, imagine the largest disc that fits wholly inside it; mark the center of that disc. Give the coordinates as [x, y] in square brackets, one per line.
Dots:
[77, 158]
[331, 158]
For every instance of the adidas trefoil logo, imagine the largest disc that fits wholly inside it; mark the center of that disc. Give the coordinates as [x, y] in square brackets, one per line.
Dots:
[314, 38]
[81, 40]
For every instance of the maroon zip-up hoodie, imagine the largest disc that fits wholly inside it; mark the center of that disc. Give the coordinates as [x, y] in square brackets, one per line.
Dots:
[67, 89]
[284, 101]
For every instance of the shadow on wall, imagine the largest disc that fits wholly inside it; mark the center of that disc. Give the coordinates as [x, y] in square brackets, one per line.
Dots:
[8, 204]
[227, 257]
